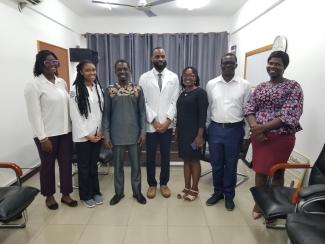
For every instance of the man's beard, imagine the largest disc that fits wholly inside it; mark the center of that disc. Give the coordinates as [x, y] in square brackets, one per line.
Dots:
[160, 66]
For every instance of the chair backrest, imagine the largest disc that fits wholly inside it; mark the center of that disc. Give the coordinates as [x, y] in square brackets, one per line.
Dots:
[317, 175]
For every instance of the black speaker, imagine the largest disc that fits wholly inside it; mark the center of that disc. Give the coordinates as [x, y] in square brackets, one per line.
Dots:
[80, 54]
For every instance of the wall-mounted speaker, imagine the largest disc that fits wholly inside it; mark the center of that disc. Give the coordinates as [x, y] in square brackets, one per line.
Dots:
[80, 54]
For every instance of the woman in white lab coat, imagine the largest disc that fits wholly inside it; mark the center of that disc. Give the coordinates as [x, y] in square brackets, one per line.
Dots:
[86, 108]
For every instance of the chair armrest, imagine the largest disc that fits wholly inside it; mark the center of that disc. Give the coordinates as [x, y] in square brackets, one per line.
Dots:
[279, 166]
[13, 166]
[311, 190]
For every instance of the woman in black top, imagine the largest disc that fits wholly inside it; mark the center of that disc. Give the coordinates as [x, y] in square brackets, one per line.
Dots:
[192, 107]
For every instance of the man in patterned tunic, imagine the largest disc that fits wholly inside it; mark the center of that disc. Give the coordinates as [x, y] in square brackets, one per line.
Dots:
[124, 129]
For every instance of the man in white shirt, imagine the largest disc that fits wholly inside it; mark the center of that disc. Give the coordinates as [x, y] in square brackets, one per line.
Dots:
[227, 96]
[161, 89]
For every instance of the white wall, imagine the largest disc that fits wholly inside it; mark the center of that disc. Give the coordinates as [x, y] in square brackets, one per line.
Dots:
[154, 25]
[19, 35]
[302, 23]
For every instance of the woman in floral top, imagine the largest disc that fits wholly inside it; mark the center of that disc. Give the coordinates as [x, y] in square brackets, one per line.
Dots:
[273, 112]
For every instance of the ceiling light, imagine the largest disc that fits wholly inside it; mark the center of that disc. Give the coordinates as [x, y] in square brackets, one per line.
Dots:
[192, 4]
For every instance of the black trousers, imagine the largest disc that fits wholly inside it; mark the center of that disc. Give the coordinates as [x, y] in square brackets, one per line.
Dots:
[87, 159]
[164, 141]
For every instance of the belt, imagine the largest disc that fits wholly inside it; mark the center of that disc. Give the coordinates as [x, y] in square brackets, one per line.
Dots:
[229, 125]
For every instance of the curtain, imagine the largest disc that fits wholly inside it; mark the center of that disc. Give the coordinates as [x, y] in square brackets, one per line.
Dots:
[201, 50]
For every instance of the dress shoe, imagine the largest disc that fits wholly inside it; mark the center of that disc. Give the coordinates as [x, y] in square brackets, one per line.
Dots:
[52, 206]
[51, 203]
[72, 203]
[116, 199]
[151, 193]
[214, 199]
[140, 198]
[230, 205]
[165, 191]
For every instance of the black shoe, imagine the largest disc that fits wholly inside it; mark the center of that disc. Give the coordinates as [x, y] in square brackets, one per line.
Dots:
[230, 205]
[72, 203]
[214, 199]
[116, 199]
[140, 198]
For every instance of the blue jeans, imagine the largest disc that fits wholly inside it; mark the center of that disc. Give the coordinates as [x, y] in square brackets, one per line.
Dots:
[164, 141]
[224, 147]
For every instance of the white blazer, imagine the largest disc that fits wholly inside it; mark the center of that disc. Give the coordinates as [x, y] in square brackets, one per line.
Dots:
[48, 107]
[81, 126]
[160, 105]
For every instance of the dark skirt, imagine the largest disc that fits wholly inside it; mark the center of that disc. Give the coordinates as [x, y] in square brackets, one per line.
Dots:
[276, 149]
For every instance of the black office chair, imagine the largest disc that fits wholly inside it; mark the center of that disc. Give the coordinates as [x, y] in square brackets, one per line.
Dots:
[307, 224]
[14, 200]
[276, 202]
[105, 158]
[206, 157]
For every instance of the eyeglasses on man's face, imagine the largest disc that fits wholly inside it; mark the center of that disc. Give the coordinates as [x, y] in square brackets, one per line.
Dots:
[52, 62]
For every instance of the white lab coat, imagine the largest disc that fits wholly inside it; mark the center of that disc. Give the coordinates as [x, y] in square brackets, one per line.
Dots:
[160, 105]
[81, 126]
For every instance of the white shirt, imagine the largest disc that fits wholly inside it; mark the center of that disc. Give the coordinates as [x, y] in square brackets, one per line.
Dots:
[160, 105]
[81, 126]
[227, 99]
[47, 107]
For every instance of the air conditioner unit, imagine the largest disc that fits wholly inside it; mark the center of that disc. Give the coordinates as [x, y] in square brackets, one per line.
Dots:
[22, 3]
[34, 2]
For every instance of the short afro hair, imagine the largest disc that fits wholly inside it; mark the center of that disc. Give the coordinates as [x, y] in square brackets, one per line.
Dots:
[282, 55]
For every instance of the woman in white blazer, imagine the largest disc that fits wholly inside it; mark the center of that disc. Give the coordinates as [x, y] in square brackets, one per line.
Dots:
[86, 108]
[47, 102]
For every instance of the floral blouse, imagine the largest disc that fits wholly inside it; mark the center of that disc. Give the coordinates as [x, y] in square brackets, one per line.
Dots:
[283, 100]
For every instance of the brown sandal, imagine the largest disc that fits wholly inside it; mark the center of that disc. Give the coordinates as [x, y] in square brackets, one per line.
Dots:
[192, 195]
[183, 193]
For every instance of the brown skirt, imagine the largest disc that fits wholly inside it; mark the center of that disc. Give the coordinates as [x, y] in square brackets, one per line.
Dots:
[276, 149]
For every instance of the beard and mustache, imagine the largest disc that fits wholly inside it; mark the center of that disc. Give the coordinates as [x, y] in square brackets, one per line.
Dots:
[159, 65]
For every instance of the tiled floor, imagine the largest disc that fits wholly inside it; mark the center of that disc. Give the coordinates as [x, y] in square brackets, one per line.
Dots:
[160, 221]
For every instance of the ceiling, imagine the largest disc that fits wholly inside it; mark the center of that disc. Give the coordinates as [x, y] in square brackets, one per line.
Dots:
[216, 8]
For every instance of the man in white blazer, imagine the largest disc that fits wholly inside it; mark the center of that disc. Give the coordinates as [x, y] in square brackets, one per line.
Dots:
[161, 89]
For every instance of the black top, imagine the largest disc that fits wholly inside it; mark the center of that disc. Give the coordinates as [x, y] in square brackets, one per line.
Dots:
[191, 115]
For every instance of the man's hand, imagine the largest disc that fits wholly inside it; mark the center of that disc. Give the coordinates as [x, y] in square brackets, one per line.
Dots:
[164, 126]
[156, 124]
[141, 140]
[46, 146]
[107, 143]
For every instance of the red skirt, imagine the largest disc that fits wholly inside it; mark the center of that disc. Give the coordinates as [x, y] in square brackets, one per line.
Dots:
[276, 149]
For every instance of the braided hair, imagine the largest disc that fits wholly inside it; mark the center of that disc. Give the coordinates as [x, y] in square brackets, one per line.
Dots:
[82, 92]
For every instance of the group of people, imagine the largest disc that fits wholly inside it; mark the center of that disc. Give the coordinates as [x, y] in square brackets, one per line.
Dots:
[127, 116]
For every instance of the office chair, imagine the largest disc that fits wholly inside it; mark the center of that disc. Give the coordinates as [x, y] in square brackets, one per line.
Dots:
[15, 199]
[206, 157]
[306, 225]
[105, 157]
[276, 202]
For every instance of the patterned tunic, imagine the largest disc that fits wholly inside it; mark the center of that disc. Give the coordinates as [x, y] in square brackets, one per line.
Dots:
[283, 100]
[124, 114]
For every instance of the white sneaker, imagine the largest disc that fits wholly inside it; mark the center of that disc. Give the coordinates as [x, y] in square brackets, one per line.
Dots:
[98, 199]
[89, 203]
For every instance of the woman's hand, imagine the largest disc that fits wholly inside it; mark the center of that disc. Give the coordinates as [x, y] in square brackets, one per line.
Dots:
[258, 129]
[93, 138]
[199, 141]
[260, 137]
[46, 146]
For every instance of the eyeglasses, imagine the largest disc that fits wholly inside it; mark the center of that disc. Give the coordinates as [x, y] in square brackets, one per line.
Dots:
[188, 75]
[52, 62]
